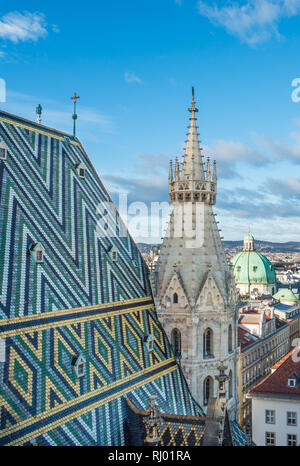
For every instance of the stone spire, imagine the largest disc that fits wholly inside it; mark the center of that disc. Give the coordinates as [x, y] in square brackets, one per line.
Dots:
[215, 173]
[208, 175]
[171, 172]
[190, 183]
[192, 162]
[193, 286]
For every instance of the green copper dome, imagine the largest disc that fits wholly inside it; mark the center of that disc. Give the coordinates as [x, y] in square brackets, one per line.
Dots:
[251, 267]
[285, 294]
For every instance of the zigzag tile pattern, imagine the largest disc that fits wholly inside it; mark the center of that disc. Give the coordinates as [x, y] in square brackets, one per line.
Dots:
[77, 302]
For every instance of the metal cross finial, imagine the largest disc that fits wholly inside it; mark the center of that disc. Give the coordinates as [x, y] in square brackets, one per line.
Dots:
[75, 97]
[39, 113]
[74, 116]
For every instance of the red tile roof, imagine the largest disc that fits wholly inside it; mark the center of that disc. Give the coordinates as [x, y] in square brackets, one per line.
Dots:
[276, 383]
[245, 338]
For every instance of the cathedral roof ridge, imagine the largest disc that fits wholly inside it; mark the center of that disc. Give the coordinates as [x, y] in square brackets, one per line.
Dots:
[33, 125]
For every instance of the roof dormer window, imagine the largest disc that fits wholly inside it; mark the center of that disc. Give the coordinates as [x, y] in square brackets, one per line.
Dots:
[81, 169]
[292, 383]
[37, 251]
[79, 365]
[3, 150]
[113, 252]
[149, 342]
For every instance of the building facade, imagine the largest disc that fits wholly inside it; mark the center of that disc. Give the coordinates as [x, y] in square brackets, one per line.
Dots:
[263, 340]
[291, 315]
[193, 286]
[276, 404]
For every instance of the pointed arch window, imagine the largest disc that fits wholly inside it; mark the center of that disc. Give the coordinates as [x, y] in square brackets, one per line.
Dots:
[229, 339]
[207, 390]
[175, 298]
[208, 343]
[176, 342]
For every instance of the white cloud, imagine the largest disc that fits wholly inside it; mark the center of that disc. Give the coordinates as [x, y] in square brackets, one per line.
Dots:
[132, 78]
[55, 28]
[254, 21]
[23, 26]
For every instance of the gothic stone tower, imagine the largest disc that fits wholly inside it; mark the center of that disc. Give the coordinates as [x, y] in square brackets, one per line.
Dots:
[193, 285]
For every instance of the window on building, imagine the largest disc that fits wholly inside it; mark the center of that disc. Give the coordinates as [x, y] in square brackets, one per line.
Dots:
[80, 369]
[3, 150]
[176, 342]
[37, 251]
[207, 390]
[291, 440]
[229, 339]
[175, 298]
[270, 416]
[79, 365]
[39, 256]
[270, 438]
[291, 418]
[2, 153]
[81, 169]
[113, 252]
[291, 383]
[254, 268]
[208, 343]
[149, 342]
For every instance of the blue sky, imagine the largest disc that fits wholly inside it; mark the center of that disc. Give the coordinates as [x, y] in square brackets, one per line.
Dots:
[133, 64]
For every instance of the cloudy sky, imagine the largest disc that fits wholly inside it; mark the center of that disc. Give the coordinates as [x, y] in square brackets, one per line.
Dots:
[133, 64]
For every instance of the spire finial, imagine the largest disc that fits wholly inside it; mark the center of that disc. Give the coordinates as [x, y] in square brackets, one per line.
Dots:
[193, 108]
[74, 116]
[39, 113]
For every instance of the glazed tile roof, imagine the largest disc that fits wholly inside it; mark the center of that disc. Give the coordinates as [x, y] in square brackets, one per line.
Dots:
[175, 430]
[78, 302]
[275, 384]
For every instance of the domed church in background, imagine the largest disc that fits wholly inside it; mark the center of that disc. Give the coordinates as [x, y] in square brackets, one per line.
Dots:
[253, 272]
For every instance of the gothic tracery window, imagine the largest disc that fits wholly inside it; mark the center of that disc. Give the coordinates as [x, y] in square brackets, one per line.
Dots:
[207, 390]
[208, 342]
[175, 298]
[176, 341]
